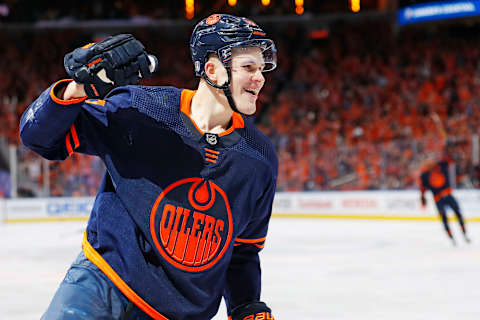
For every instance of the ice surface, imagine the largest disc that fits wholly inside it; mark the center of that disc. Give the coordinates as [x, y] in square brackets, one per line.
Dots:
[312, 269]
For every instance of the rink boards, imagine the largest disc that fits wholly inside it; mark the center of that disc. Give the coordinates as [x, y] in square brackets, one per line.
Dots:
[392, 205]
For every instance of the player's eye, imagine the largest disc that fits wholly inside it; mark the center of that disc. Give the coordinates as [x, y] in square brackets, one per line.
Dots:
[249, 68]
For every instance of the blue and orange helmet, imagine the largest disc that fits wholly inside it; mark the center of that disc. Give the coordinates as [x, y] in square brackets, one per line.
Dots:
[220, 33]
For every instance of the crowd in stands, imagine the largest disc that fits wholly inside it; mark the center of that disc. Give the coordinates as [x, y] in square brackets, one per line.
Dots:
[349, 112]
[32, 11]
[356, 111]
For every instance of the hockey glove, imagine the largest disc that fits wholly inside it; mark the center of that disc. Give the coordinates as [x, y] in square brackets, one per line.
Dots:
[115, 61]
[252, 311]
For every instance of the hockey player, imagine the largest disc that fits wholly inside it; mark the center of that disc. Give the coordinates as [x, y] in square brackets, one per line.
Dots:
[435, 177]
[184, 206]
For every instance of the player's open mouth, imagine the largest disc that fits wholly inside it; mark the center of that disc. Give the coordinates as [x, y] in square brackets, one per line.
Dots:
[252, 92]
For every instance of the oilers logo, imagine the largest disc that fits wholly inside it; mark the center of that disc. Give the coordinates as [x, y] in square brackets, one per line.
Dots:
[191, 224]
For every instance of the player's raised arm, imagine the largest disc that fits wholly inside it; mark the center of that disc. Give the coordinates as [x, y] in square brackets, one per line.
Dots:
[442, 133]
[53, 125]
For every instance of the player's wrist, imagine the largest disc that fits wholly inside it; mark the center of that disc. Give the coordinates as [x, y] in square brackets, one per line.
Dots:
[73, 90]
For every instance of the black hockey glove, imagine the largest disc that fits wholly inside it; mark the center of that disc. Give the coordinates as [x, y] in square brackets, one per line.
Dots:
[115, 61]
[252, 311]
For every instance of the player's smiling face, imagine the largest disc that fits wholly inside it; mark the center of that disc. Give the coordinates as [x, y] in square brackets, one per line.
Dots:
[247, 78]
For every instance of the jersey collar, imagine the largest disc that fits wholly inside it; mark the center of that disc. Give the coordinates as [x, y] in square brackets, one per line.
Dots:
[185, 108]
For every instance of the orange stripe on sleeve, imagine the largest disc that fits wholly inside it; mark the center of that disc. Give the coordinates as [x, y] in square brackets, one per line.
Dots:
[61, 101]
[74, 136]
[97, 102]
[210, 160]
[250, 240]
[68, 144]
[103, 265]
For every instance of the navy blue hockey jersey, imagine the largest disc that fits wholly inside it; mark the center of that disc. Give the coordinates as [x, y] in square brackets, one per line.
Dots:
[436, 179]
[181, 214]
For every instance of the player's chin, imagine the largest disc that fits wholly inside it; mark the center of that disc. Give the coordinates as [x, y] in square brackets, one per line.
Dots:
[247, 108]
[247, 105]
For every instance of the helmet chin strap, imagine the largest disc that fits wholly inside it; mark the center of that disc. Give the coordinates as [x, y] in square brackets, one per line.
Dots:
[225, 87]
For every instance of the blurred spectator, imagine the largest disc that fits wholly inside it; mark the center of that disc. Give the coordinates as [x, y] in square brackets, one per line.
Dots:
[435, 177]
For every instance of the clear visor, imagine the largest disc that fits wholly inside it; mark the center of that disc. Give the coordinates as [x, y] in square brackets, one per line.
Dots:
[267, 47]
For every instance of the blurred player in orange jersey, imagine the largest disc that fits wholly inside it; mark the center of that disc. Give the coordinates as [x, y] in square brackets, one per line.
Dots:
[435, 177]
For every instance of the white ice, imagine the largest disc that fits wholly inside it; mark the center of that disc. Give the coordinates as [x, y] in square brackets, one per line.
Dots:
[312, 269]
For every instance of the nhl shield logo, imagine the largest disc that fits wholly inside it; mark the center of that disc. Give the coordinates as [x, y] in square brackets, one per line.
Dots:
[211, 138]
[191, 224]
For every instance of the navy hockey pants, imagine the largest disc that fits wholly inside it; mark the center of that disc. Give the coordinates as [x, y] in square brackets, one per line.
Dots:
[86, 293]
[442, 204]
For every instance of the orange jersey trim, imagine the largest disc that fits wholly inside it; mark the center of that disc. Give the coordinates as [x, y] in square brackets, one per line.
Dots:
[211, 155]
[61, 101]
[186, 107]
[256, 245]
[211, 151]
[237, 123]
[97, 102]
[103, 265]
[442, 194]
[210, 160]
[68, 144]
[73, 131]
[250, 240]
